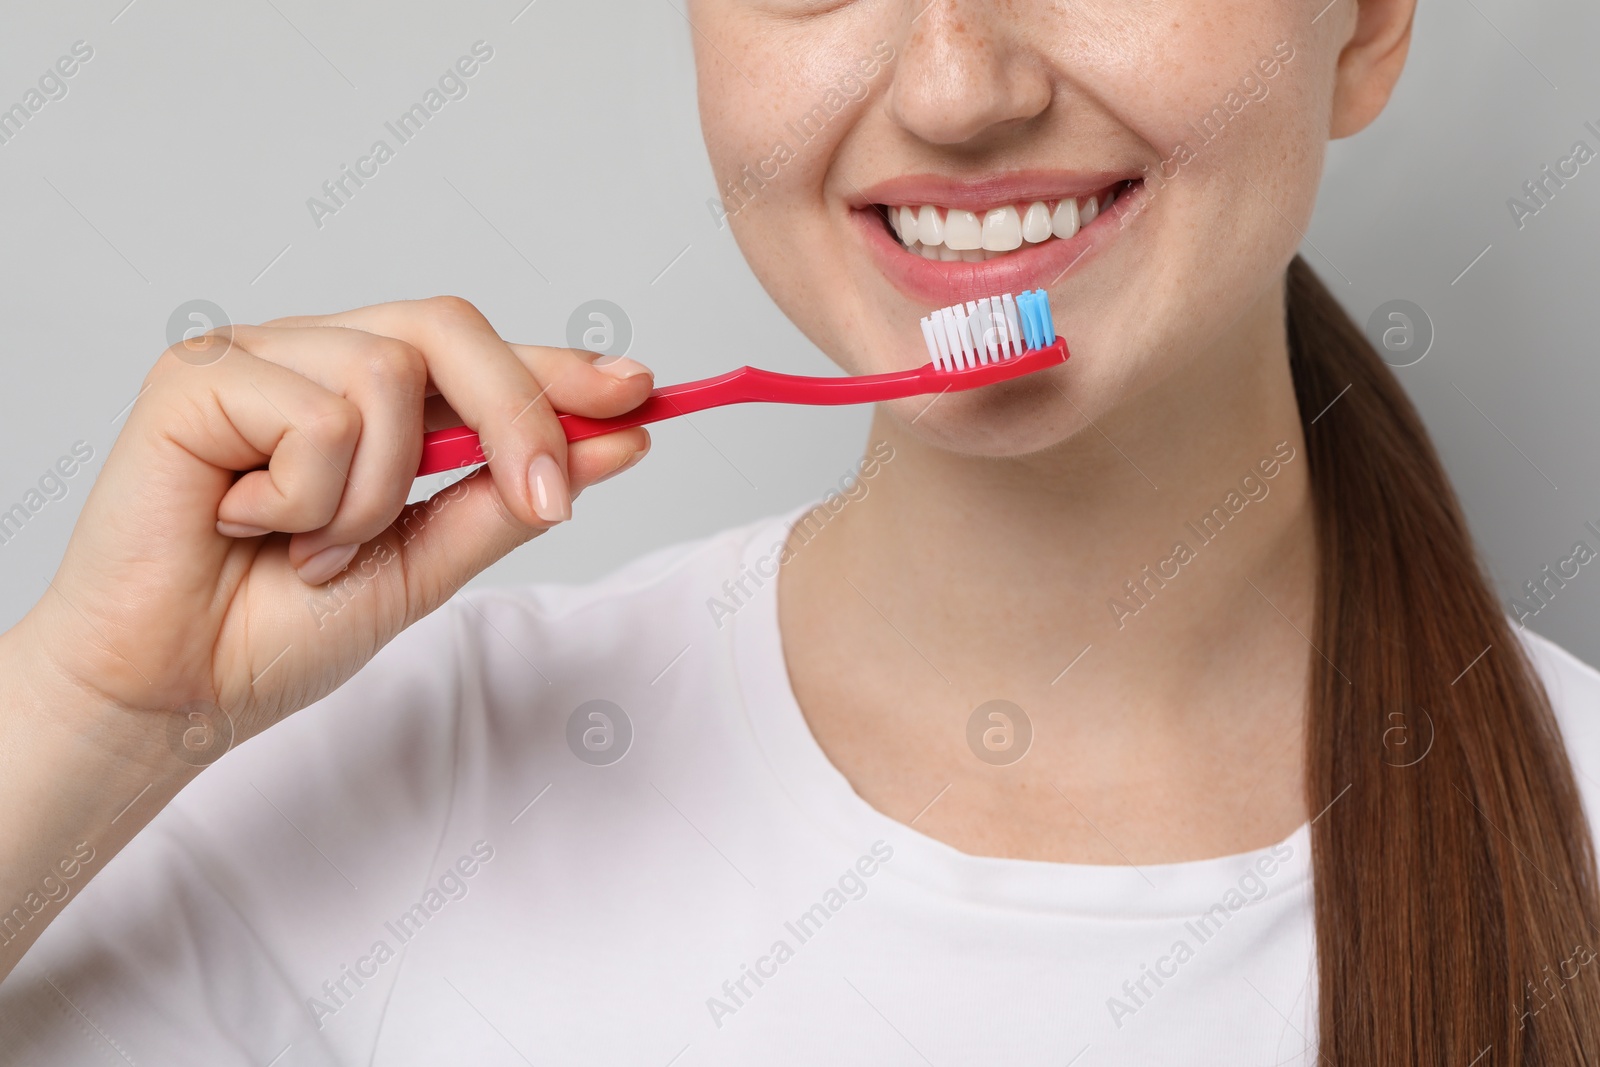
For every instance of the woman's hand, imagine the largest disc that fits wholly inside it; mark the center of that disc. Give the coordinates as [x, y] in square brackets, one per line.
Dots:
[248, 547]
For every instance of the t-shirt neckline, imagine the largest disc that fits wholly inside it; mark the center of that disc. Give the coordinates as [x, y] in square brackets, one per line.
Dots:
[826, 798]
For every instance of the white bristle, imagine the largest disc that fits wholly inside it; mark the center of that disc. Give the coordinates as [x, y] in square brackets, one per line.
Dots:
[940, 340]
[996, 333]
[941, 331]
[991, 344]
[983, 331]
[952, 357]
[969, 349]
[977, 322]
[958, 339]
[971, 334]
[974, 333]
[1002, 327]
[1013, 324]
[958, 345]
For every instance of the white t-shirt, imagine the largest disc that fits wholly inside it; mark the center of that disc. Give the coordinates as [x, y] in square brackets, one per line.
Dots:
[422, 870]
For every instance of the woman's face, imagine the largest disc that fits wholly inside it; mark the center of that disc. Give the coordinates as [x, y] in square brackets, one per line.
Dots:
[1151, 163]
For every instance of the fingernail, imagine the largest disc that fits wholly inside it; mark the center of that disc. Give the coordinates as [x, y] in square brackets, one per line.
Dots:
[240, 529]
[622, 368]
[325, 564]
[551, 501]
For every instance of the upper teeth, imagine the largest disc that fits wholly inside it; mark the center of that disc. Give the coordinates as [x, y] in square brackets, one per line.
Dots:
[957, 234]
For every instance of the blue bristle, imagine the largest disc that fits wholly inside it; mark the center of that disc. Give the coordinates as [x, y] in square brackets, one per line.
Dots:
[1049, 321]
[1030, 336]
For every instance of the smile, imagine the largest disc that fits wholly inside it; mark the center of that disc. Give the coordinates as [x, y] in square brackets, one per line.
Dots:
[943, 242]
[956, 234]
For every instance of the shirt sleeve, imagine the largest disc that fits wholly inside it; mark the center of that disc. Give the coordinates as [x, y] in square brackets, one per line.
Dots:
[224, 933]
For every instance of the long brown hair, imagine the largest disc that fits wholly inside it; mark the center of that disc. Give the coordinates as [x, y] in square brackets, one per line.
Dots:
[1456, 909]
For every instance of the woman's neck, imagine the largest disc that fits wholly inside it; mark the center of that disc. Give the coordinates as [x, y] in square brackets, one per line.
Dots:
[1143, 591]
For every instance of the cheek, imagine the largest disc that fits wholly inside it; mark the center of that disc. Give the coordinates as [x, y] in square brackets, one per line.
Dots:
[772, 147]
[767, 86]
[1239, 152]
[1248, 93]
[1188, 77]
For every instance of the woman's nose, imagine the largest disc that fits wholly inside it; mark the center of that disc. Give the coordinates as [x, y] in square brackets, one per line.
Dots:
[965, 70]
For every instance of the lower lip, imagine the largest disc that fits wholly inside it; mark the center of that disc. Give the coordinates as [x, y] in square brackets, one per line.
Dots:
[938, 284]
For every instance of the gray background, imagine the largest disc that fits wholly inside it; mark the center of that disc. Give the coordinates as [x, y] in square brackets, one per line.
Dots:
[179, 164]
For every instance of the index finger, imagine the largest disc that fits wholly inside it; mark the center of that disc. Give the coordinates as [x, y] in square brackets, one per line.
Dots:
[493, 391]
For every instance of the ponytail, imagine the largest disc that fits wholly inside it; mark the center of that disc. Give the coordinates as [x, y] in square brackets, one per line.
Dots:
[1450, 886]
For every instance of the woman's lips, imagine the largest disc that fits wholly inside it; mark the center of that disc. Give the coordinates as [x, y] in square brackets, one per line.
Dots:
[935, 283]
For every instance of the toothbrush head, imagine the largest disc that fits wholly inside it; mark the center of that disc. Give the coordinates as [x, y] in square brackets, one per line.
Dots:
[991, 330]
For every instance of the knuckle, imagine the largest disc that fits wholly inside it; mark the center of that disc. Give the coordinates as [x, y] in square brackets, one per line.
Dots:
[395, 365]
[199, 350]
[162, 368]
[528, 414]
[293, 499]
[453, 310]
[364, 518]
[336, 423]
[310, 512]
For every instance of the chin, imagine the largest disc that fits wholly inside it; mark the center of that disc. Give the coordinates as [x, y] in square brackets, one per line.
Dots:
[1011, 419]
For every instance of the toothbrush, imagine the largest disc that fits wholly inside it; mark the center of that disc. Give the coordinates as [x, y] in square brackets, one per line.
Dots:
[970, 345]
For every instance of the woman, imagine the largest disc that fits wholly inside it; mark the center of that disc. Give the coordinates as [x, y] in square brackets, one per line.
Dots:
[1023, 750]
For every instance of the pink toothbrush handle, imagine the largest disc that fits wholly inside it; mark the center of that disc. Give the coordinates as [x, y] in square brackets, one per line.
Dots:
[444, 450]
